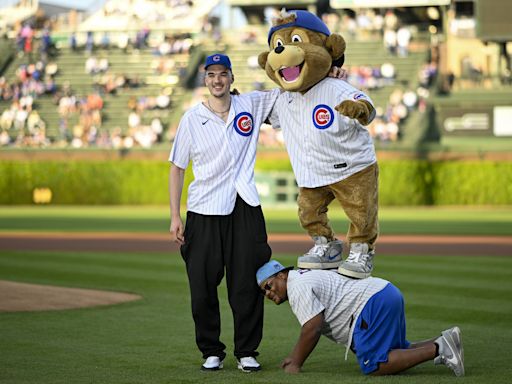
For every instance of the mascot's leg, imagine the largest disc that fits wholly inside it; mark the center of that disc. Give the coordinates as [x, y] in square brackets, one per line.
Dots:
[326, 253]
[358, 195]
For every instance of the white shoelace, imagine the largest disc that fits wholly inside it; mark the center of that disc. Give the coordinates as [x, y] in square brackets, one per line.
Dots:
[357, 257]
[318, 250]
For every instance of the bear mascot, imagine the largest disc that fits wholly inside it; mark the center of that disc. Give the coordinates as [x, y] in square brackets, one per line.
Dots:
[332, 154]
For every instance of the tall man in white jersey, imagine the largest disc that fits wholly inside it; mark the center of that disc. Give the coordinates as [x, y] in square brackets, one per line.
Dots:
[366, 315]
[225, 229]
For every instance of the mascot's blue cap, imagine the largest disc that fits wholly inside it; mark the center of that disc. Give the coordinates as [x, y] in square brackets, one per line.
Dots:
[304, 19]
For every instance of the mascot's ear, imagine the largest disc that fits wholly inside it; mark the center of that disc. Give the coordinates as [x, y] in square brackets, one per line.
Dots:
[262, 59]
[336, 45]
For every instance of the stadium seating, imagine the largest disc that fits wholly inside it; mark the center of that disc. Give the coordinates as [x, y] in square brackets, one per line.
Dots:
[115, 112]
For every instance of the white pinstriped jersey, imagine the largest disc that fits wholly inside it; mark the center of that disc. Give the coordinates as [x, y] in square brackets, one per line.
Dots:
[340, 298]
[324, 146]
[222, 154]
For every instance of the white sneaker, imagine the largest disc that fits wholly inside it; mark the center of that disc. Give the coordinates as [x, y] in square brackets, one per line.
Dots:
[324, 255]
[451, 352]
[359, 263]
[212, 363]
[248, 364]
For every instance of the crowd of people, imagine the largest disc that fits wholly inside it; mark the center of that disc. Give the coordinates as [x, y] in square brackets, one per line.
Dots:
[39, 79]
[81, 115]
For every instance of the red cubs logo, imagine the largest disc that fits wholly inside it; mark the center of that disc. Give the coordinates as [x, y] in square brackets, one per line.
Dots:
[323, 116]
[243, 123]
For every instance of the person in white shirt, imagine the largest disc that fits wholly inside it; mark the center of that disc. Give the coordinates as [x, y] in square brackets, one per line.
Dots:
[366, 315]
[225, 229]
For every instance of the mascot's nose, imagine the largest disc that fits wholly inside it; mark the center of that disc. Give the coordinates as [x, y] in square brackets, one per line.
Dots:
[279, 49]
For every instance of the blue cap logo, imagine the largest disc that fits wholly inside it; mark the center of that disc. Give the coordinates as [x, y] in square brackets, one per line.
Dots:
[217, 58]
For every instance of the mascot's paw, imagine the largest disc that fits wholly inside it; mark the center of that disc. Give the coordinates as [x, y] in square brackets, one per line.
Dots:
[355, 110]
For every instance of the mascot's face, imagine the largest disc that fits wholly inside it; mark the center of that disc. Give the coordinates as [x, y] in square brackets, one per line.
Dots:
[299, 58]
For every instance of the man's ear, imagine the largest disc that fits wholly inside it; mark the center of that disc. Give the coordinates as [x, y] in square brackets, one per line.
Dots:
[335, 45]
[262, 59]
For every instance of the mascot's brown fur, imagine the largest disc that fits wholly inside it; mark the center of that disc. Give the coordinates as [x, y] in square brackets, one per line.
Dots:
[341, 162]
[308, 54]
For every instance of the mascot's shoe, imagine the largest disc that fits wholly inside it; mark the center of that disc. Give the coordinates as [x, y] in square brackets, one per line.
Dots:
[212, 363]
[324, 255]
[451, 352]
[359, 263]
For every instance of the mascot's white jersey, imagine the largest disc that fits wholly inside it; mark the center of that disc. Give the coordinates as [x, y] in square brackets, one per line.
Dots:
[324, 146]
[222, 154]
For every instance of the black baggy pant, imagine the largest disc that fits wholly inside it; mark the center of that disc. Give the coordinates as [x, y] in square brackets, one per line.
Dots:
[236, 244]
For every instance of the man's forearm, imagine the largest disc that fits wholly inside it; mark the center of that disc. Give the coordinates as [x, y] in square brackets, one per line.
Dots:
[308, 339]
[176, 178]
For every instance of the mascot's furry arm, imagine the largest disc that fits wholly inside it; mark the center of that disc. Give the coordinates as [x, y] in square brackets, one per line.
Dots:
[361, 110]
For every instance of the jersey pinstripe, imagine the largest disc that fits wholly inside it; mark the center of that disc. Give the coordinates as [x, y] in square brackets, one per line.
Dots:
[222, 154]
[340, 298]
[324, 147]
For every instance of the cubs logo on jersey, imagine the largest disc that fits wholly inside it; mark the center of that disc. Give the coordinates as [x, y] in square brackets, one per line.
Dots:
[243, 123]
[323, 116]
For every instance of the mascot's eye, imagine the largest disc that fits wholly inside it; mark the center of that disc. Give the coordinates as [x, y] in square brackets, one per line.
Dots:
[296, 39]
[279, 42]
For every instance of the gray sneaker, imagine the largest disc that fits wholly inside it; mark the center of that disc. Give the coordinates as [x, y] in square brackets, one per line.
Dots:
[324, 255]
[451, 352]
[359, 263]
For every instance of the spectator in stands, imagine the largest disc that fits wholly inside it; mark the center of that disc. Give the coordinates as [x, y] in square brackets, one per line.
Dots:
[73, 45]
[7, 118]
[133, 120]
[46, 45]
[390, 42]
[403, 38]
[123, 41]
[89, 42]
[91, 65]
[390, 20]
[157, 128]
[105, 40]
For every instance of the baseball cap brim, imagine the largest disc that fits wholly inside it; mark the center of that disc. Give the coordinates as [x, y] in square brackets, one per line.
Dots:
[268, 270]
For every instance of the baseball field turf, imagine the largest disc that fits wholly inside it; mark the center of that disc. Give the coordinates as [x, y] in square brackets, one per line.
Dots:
[152, 340]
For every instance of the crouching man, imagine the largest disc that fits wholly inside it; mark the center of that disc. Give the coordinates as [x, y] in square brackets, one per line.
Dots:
[366, 315]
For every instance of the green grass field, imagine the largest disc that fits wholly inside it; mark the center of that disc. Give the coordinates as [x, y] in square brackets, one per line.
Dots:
[495, 221]
[152, 340]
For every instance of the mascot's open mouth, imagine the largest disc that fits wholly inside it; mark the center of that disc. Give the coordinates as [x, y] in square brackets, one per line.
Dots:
[290, 74]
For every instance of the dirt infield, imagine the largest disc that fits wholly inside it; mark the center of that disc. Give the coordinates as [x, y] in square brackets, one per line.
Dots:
[280, 243]
[30, 297]
[21, 297]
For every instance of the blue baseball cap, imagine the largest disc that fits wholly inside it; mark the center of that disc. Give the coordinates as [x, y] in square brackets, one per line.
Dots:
[304, 19]
[217, 58]
[269, 269]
